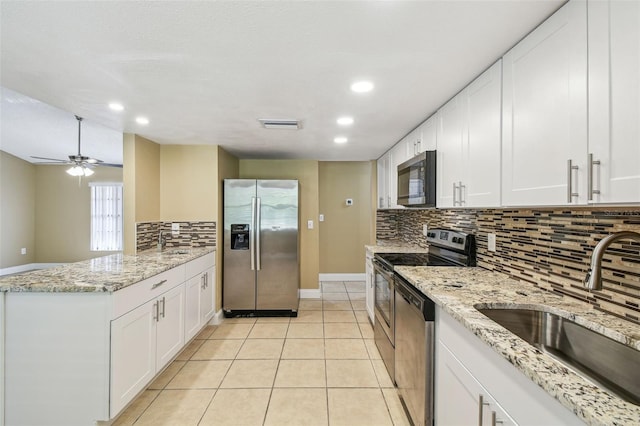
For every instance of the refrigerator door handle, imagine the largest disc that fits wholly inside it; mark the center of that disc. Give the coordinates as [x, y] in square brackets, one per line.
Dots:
[252, 237]
[258, 250]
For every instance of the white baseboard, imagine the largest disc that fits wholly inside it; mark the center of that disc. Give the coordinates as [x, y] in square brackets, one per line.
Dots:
[217, 318]
[309, 293]
[27, 267]
[342, 277]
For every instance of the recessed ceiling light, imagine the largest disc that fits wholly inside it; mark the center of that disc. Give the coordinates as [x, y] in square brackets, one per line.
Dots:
[362, 86]
[115, 106]
[142, 120]
[345, 121]
[340, 139]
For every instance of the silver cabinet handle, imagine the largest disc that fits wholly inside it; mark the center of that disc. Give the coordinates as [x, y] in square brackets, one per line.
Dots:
[163, 302]
[592, 191]
[155, 311]
[202, 282]
[389, 201]
[156, 285]
[455, 187]
[481, 405]
[570, 193]
[461, 198]
[494, 419]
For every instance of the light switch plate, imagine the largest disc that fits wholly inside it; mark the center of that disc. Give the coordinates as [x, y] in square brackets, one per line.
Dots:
[321, 218]
[175, 228]
[23, 250]
[309, 224]
[491, 242]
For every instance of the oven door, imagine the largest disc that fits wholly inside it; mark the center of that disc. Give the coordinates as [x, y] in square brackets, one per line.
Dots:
[384, 297]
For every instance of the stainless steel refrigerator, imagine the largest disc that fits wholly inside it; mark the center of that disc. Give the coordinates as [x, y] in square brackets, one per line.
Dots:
[261, 272]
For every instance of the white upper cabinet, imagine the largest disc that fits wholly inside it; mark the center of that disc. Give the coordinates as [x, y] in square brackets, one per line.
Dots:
[427, 132]
[614, 101]
[384, 165]
[450, 152]
[544, 113]
[398, 155]
[468, 141]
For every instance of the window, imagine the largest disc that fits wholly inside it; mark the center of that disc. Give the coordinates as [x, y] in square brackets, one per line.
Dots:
[106, 216]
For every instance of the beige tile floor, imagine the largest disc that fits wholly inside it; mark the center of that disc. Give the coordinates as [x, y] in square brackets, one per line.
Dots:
[321, 368]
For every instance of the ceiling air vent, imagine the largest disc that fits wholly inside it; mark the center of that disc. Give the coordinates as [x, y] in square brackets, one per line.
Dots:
[280, 124]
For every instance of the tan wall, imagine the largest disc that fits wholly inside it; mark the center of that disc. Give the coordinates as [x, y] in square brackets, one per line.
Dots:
[346, 229]
[188, 177]
[17, 210]
[228, 168]
[306, 171]
[63, 213]
[141, 177]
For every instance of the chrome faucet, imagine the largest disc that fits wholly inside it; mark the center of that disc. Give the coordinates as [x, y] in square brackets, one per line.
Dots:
[161, 242]
[593, 280]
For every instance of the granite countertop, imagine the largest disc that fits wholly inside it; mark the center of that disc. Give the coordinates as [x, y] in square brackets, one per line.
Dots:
[394, 246]
[102, 274]
[457, 290]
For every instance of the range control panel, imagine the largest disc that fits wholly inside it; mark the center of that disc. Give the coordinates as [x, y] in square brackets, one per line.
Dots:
[447, 238]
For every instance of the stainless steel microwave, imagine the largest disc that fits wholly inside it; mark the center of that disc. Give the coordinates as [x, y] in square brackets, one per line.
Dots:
[417, 181]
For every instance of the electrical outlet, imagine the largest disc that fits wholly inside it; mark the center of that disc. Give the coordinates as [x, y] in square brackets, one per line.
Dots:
[425, 229]
[309, 224]
[23, 250]
[175, 228]
[491, 242]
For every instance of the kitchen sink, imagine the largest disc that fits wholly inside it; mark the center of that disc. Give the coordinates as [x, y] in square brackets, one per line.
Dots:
[179, 251]
[604, 361]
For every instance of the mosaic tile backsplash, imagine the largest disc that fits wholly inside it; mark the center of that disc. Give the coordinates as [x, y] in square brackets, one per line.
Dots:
[550, 248]
[192, 234]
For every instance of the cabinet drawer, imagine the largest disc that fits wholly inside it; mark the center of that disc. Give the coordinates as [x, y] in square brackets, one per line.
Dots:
[137, 294]
[200, 264]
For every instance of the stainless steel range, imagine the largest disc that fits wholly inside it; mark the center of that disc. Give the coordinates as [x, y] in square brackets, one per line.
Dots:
[404, 318]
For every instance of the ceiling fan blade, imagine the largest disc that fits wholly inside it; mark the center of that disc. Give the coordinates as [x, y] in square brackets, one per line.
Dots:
[50, 163]
[109, 164]
[50, 159]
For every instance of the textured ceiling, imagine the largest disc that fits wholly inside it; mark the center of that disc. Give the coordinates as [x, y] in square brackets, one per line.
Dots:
[204, 72]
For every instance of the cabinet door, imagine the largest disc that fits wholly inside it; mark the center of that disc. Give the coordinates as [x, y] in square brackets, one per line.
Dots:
[544, 113]
[461, 399]
[482, 140]
[383, 181]
[192, 319]
[450, 152]
[398, 155]
[614, 100]
[170, 325]
[207, 295]
[133, 354]
[428, 131]
[369, 291]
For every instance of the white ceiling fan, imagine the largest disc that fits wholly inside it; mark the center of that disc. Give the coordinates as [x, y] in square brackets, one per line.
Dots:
[81, 165]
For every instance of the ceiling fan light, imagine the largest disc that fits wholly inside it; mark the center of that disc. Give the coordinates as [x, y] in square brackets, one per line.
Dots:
[80, 171]
[76, 171]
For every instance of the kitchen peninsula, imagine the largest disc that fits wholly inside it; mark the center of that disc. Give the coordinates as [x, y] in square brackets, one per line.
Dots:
[83, 339]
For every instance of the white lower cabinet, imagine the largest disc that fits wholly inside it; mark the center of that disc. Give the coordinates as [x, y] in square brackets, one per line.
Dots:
[133, 354]
[474, 385]
[143, 341]
[200, 294]
[79, 358]
[369, 282]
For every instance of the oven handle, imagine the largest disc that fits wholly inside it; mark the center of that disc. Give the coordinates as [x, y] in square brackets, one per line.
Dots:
[379, 268]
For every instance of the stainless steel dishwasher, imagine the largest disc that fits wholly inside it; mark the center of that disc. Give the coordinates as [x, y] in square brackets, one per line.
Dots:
[415, 346]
